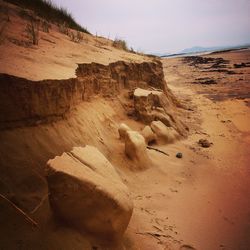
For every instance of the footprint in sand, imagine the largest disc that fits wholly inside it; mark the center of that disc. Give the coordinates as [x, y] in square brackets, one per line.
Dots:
[173, 190]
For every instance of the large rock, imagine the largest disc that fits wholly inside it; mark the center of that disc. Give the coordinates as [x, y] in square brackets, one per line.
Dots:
[136, 149]
[145, 101]
[157, 105]
[164, 134]
[148, 135]
[87, 193]
[122, 130]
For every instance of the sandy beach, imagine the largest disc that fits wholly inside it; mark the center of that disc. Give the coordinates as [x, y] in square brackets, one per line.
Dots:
[190, 193]
[200, 200]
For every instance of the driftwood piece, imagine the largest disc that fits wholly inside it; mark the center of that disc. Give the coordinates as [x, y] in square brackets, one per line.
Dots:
[158, 150]
[20, 211]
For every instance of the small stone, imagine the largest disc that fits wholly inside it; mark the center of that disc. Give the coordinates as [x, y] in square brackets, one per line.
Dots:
[131, 113]
[204, 143]
[179, 155]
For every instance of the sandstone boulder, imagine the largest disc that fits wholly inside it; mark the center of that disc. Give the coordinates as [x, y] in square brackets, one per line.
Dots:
[87, 193]
[164, 134]
[148, 135]
[157, 105]
[145, 101]
[136, 149]
[122, 130]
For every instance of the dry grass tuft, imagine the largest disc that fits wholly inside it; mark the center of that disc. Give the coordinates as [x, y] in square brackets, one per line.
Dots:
[47, 10]
[32, 30]
[120, 44]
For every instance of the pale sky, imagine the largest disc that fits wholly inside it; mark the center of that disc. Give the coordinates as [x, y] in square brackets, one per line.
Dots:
[165, 25]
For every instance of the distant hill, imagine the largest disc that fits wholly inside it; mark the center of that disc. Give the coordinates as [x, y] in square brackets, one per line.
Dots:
[199, 49]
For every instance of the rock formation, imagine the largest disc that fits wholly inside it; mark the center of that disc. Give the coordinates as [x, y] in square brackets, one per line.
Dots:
[164, 134]
[155, 105]
[146, 102]
[87, 193]
[109, 80]
[148, 135]
[26, 102]
[122, 130]
[136, 150]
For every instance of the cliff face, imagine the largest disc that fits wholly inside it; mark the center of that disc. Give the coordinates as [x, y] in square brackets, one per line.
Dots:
[109, 80]
[26, 102]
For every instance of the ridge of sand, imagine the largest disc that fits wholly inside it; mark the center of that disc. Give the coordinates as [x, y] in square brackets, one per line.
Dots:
[56, 56]
[200, 201]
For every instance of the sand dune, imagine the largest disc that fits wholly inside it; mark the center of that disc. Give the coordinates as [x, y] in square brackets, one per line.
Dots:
[198, 200]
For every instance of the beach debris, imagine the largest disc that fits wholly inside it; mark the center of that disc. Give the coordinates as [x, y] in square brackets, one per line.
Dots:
[205, 80]
[20, 211]
[225, 121]
[179, 155]
[204, 143]
[187, 247]
[242, 65]
[158, 150]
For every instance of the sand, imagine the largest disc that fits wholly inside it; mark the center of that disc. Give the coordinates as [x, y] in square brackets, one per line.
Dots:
[200, 201]
[56, 56]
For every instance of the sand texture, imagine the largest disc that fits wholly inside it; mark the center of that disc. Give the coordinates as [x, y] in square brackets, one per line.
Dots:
[156, 149]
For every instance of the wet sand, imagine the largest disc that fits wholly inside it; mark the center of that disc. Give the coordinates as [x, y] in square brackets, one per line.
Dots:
[202, 200]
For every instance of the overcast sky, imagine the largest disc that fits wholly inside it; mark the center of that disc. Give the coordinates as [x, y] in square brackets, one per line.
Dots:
[165, 25]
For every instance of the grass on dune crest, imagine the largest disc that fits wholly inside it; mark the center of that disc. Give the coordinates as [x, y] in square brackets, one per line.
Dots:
[51, 12]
